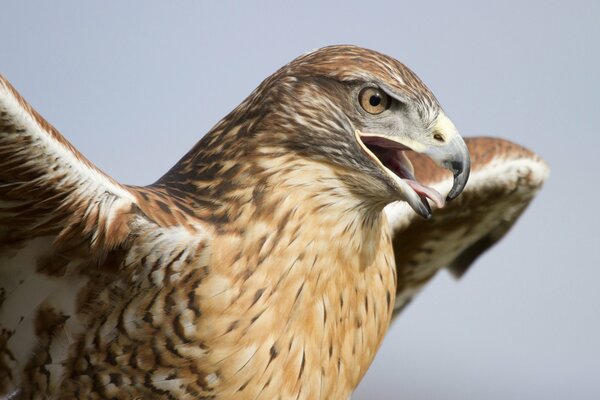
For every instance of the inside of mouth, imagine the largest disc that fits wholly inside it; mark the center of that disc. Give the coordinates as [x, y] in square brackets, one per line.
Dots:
[395, 159]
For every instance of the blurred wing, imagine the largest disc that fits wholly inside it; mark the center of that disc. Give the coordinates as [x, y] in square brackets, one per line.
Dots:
[504, 179]
[65, 228]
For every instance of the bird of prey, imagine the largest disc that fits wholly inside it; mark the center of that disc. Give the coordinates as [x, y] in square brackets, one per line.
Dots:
[267, 263]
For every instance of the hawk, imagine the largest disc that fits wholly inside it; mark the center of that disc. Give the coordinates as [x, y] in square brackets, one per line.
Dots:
[267, 263]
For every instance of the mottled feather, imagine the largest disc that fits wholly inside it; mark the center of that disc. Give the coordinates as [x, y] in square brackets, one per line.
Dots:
[261, 265]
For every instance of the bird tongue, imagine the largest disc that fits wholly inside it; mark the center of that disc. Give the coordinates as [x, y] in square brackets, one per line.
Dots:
[393, 156]
[402, 166]
[426, 191]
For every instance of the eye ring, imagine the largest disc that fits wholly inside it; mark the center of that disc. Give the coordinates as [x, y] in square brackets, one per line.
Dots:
[374, 100]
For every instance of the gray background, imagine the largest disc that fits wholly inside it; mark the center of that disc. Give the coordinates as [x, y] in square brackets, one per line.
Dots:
[134, 85]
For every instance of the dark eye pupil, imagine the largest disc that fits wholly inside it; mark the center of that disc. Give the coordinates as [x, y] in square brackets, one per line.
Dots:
[375, 100]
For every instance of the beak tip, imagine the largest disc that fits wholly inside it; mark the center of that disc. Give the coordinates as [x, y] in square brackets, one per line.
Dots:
[425, 209]
[460, 181]
[426, 216]
[461, 169]
[455, 157]
[454, 192]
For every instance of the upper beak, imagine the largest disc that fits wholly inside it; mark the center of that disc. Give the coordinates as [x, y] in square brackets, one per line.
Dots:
[451, 154]
[454, 155]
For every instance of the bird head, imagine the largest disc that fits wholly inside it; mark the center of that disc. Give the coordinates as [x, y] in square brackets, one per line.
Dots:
[388, 111]
[359, 111]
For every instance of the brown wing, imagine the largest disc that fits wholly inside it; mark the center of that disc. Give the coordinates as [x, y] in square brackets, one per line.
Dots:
[47, 187]
[58, 214]
[504, 179]
[66, 228]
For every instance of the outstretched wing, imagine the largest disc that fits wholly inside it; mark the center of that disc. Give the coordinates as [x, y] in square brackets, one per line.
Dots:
[48, 188]
[66, 231]
[504, 179]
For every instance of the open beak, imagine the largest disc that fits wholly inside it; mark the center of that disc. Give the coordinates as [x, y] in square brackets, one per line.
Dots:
[388, 153]
[453, 156]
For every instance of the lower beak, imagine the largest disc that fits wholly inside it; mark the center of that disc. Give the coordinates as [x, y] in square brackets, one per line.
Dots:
[453, 156]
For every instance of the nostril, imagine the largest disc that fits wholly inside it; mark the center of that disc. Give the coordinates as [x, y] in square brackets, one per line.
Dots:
[438, 137]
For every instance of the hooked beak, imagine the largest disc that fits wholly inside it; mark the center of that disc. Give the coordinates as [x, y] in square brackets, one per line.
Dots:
[452, 153]
[453, 156]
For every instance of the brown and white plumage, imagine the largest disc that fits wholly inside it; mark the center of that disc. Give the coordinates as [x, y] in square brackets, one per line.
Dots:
[262, 264]
[505, 177]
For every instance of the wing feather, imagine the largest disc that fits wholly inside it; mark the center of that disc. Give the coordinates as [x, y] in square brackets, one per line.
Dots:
[69, 235]
[47, 187]
[505, 178]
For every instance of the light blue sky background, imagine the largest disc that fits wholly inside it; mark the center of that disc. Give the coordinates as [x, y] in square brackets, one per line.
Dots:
[134, 85]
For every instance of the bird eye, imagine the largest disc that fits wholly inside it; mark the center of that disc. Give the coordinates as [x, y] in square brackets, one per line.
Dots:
[373, 100]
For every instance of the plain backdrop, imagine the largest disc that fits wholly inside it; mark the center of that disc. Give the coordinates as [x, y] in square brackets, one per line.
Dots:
[134, 85]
